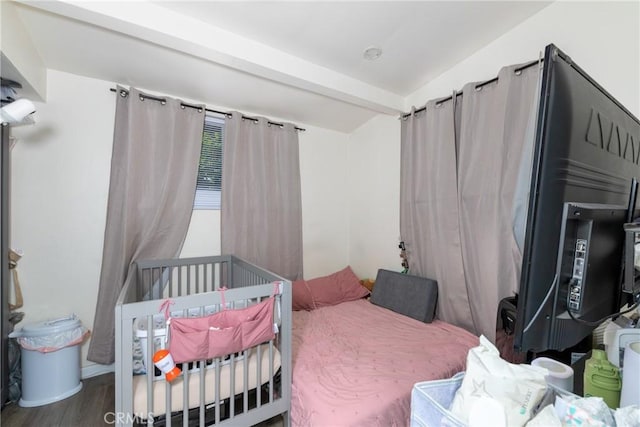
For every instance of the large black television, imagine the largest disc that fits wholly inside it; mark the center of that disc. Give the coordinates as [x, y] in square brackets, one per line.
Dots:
[586, 157]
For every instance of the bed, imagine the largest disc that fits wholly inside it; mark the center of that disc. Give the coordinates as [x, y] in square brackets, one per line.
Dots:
[355, 362]
[245, 387]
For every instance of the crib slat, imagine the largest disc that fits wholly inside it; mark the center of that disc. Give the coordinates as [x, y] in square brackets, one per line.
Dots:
[217, 390]
[203, 365]
[271, 373]
[232, 385]
[178, 281]
[149, 366]
[189, 281]
[258, 376]
[185, 388]
[205, 276]
[185, 399]
[167, 415]
[245, 385]
[197, 284]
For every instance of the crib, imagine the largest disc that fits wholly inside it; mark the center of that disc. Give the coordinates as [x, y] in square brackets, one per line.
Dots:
[243, 388]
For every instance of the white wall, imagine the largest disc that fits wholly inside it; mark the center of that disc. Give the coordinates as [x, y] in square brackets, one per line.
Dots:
[374, 186]
[60, 183]
[324, 174]
[603, 38]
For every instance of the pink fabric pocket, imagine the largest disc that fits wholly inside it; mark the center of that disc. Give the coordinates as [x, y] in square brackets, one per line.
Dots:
[219, 334]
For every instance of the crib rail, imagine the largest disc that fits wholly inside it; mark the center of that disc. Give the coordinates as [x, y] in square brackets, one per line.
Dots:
[240, 389]
[158, 279]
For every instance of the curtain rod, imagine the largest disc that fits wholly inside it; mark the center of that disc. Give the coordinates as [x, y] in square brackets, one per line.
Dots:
[478, 86]
[197, 107]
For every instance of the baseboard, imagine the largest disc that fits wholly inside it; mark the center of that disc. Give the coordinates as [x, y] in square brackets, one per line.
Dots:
[96, 369]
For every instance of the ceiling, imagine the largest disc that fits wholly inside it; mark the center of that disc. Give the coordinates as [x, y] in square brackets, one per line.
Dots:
[298, 61]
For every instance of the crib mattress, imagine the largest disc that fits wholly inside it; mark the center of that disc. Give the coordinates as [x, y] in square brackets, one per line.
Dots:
[178, 385]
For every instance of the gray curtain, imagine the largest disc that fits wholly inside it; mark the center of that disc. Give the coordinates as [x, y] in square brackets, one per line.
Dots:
[154, 168]
[493, 133]
[463, 191]
[429, 207]
[261, 219]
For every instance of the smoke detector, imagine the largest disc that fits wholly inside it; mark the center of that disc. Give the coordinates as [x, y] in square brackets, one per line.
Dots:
[372, 53]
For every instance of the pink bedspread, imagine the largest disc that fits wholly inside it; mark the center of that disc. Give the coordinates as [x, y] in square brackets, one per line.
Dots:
[355, 364]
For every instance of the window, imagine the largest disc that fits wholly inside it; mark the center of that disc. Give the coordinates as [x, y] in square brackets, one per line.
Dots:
[209, 185]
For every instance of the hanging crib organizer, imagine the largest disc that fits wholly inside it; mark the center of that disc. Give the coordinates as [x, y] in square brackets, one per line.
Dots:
[225, 332]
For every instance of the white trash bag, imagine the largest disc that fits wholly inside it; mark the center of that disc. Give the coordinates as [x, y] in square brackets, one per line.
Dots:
[517, 388]
[51, 335]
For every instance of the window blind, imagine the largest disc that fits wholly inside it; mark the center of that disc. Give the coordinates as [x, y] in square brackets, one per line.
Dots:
[209, 185]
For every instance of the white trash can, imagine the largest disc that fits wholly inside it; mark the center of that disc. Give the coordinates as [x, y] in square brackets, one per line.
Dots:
[50, 352]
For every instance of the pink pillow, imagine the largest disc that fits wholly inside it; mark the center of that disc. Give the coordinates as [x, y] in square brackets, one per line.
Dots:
[333, 289]
[301, 296]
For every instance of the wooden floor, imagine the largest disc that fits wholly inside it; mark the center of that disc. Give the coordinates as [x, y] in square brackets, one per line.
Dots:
[85, 408]
[91, 406]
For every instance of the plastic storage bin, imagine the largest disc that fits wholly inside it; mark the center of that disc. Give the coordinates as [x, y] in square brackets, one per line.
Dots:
[50, 374]
[430, 402]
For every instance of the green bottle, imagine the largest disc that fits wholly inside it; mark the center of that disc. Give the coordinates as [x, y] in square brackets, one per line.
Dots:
[602, 379]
